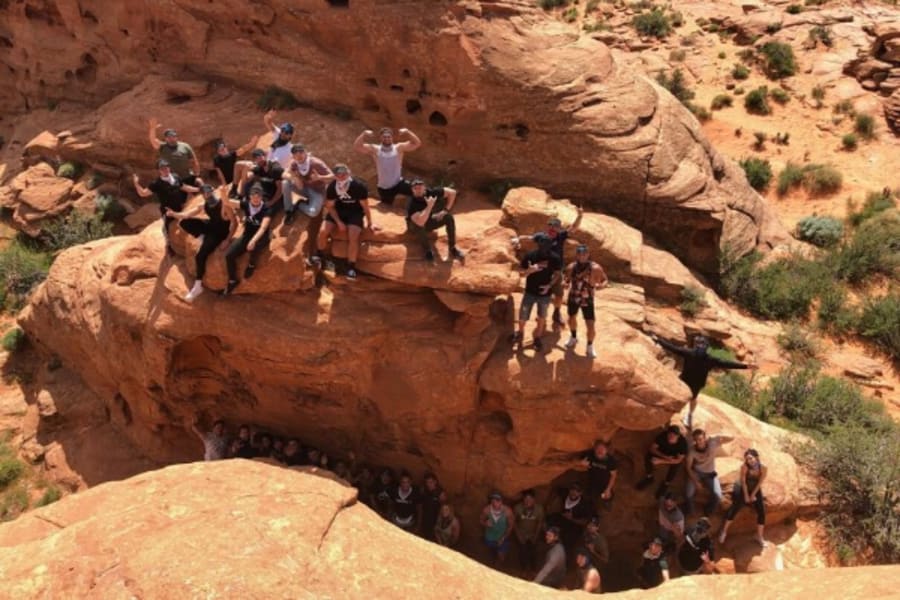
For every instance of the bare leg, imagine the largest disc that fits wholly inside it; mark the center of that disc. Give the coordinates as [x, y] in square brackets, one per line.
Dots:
[324, 234]
[353, 233]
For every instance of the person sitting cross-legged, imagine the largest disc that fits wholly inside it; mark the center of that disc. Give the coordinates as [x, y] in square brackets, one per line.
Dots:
[669, 450]
[253, 239]
[428, 210]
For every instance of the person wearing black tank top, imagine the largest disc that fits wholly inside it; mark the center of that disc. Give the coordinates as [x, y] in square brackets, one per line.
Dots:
[212, 232]
[746, 491]
[583, 276]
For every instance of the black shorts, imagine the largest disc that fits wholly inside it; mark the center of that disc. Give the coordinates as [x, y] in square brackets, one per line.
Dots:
[350, 217]
[587, 310]
[387, 195]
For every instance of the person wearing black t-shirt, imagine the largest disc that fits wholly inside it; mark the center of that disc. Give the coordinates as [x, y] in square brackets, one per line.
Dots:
[602, 472]
[254, 238]
[243, 444]
[433, 497]
[267, 175]
[170, 191]
[575, 513]
[407, 504]
[654, 568]
[228, 168]
[584, 276]
[697, 553]
[380, 493]
[428, 210]
[347, 210]
[669, 449]
[542, 270]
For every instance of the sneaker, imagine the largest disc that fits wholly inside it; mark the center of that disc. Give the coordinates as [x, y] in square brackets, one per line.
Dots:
[590, 351]
[351, 274]
[538, 344]
[457, 254]
[248, 272]
[230, 287]
[515, 337]
[643, 483]
[194, 292]
[329, 266]
[429, 256]
[571, 343]
[289, 217]
[314, 262]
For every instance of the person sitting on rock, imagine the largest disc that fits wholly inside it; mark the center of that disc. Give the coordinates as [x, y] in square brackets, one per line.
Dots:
[433, 496]
[307, 176]
[254, 237]
[498, 522]
[584, 276]
[654, 568]
[171, 192]
[215, 443]
[668, 449]
[602, 471]
[244, 447]
[701, 469]
[588, 575]
[347, 208]
[178, 154]
[529, 528]
[553, 572]
[228, 168]
[265, 174]
[429, 209]
[595, 542]
[280, 149]
[406, 503]
[574, 515]
[446, 528]
[213, 232]
[380, 493]
[558, 236]
[388, 158]
[697, 365]
[671, 521]
[541, 268]
[293, 453]
[746, 491]
[696, 554]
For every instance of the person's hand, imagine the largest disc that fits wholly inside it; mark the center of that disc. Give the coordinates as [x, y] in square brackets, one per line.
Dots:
[656, 460]
[606, 495]
[171, 213]
[403, 131]
[705, 557]
[368, 132]
[534, 268]
[154, 123]
[251, 245]
[342, 227]
[135, 179]
[199, 182]
[545, 289]
[430, 200]
[748, 499]
[439, 215]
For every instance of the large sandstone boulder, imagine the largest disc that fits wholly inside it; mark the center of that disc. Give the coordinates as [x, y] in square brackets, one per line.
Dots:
[36, 195]
[569, 118]
[239, 529]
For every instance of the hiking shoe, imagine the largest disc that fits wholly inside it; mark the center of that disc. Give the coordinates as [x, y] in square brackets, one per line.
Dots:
[590, 351]
[248, 272]
[571, 343]
[643, 483]
[538, 345]
[230, 287]
[457, 254]
[351, 274]
[194, 292]
[429, 255]
[314, 262]
[289, 217]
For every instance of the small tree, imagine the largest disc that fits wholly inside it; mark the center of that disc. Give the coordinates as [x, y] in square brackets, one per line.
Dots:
[779, 61]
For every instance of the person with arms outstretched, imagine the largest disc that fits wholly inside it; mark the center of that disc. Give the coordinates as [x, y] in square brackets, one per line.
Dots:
[280, 148]
[388, 157]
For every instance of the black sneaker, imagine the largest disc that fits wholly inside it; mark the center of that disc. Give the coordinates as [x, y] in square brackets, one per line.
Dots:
[429, 256]
[230, 287]
[557, 320]
[314, 261]
[351, 274]
[289, 217]
[457, 254]
[248, 272]
[538, 345]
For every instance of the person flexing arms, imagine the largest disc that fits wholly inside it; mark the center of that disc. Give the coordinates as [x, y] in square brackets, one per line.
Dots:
[388, 158]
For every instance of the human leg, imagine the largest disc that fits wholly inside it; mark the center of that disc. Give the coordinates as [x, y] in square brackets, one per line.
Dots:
[528, 301]
[194, 227]
[237, 248]
[314, 201]
[737, 502]
[353, 233]
[255, 254]
[715, 493]
[690, 490]
[543, 303]
[287, 198]
[572, 310]
[760, 506]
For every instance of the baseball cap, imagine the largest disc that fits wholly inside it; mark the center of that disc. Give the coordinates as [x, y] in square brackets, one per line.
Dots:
[298, 148]
[581, 249]
[554, 222]
[170, 132]
[541, 238]
[287, 128]
[206, 188]
[673, 429]
[554, 530]
[656, 541]
[340, 169]
[417, 181]
[162, 163]
[258, 152]
[495, 496]
[595, 520]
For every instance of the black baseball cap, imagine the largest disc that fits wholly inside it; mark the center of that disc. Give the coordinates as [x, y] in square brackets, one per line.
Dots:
[581, 249]
[417, 181]
[206, 188]
[341, 169]
[287, 128]
[541, 239]
[298, 148]
[170, 132]
[162, 163]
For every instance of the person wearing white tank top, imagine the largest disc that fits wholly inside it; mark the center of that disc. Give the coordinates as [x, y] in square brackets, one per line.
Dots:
[388, 158]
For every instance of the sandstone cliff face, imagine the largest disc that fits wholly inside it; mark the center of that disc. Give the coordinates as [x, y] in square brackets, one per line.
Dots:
[496, 89]
[240, 529]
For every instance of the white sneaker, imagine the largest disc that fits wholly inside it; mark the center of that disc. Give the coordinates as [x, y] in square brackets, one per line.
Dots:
[571, 342]
[195, 291]
[590, 351]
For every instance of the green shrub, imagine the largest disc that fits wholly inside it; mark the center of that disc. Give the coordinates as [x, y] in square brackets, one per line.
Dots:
[779, 60]
[94, 181]
[756, 102]
[740, 72]
[790, 177]
[676, 86]
[833, 314]
[821, 180]
[783, 289]
[10, 468]
[821, 34]
[876, 202]
[818, 94]
[69, 170]
[723, 55]
[794, 9]
[693, 300]
[13, 339]
[773, 28]
[655, 23]
[821, 231]
[760, 137]
[677, 55]
[21, 270]
[548, 4]
[51, 495]
[109, 208]
[865, 125]
[74, 229]
[758, 171]
[844, 107]
[570, 15]
[733, 388]
[721, 101]
[780, 95]
[798, 342]
[698, 111]
[277, 98]
[879, 321]
[874, 248]
[850, 142]
[738, 91]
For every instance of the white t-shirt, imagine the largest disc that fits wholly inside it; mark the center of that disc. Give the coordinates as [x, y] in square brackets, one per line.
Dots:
[705, 461]
[282, 154]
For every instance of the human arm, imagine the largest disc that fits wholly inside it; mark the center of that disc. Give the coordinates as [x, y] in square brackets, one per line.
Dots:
[251, 245]
[367, 213]
[553, 280]
[194, 161]
[196, 431]
[724, 439]
[577, 223]
[607, 493]
[413, 143]
[744, 487]
[510, 525]
[421, 218]
[598, 277]
[689, 467]
[141, 190]
[269, 120]
[670, 346]
[183, 214]
[555, 560]
[221, 175]
[763, 471]
[360, 145]
[664, 569]
[330, 209]
[450, 199]
[592, 581]
[190, 189]
[248, 146]
[721, 363]
[322, 173]
[154, 141]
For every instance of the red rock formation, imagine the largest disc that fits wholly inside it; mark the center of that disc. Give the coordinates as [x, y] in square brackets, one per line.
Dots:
[497, 90]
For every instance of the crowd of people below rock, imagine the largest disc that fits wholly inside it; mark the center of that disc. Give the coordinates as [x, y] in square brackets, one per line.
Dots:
[568, 527]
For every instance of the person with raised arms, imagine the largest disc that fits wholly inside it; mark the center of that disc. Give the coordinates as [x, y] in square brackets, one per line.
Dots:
[388, 157]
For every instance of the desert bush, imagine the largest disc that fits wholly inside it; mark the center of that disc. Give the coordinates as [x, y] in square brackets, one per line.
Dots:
[740, 72]
[721, 101]
[570, 15]
[821, 180]
[108, 207]
[676, 85]
[873, 249]
[74, 229]
[756, 102]
[794, 9]
[844, 107]
[94, 181]
[548, 4]
[655, 23]
[850, 141]
[774, 27]
[790, 177]
[821, 231]
[797, 341]
[693, 300]
[723, 55]
[11, 468]
[69, 170]
[865, 126]
[818, 94]
[677, 55]
[778, 60]
[698, 111]
[783, 289]
[51, 495]
[758, 171]
[879, 321]
[277, 98]
[735, 389]
[782, 139]
[876, 202]
[13, 339]
[21, 270]
[821, 34]
[780, 95]
[760, 137]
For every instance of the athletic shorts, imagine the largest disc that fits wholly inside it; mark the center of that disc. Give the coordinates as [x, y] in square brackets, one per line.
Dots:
[350, 217]
[587, 310]
[495, 546]
[387, 195]
[528, 302]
